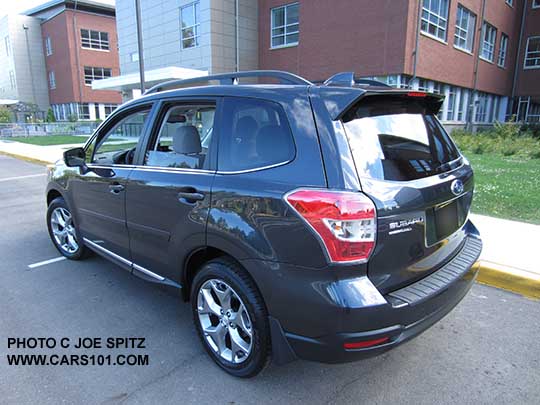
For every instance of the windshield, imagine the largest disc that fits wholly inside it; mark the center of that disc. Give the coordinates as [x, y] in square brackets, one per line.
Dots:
[393, 139]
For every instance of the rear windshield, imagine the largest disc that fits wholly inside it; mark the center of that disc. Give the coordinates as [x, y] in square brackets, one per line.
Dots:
[395, 138]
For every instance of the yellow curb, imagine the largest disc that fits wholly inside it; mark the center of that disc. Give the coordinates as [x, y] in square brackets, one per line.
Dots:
[26, 158]
[509, 278]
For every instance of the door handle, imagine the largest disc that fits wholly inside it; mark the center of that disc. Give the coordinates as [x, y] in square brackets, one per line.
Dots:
[116, 188]
[190, 196]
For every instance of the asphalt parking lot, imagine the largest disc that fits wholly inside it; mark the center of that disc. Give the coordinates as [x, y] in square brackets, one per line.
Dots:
[486, 351]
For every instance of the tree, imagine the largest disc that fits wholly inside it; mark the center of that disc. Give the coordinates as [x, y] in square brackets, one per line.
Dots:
[5, 115]
[50, 116]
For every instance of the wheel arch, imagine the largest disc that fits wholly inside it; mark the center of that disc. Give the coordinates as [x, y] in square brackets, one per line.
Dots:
[52, 194]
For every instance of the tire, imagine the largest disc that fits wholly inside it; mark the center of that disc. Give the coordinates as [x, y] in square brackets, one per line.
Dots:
[68, 233]
[216, 276]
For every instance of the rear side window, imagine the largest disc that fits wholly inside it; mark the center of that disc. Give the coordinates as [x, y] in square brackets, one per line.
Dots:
[255, 134]
[394, 138]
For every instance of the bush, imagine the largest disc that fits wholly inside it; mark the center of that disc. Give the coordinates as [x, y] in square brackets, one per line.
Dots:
[50, 116]
[5, 115]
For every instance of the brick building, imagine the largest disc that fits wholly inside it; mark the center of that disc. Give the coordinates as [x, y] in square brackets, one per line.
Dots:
[79, 46]
[483, 55]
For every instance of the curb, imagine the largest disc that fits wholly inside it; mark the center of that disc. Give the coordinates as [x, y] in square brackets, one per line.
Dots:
[509, 278]
[25, 158]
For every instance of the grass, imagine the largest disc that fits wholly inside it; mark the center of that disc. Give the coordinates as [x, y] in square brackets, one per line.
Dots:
[506, 187]
[49, 139]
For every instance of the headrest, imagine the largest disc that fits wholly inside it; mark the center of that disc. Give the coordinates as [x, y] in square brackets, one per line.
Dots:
[176, 117]
[186, 140]
[246, 127]
[268, 138]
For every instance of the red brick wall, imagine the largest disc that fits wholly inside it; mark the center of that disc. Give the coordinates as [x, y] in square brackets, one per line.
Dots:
[66, 42]
[365, 36]
[378, 38]
[528, 83]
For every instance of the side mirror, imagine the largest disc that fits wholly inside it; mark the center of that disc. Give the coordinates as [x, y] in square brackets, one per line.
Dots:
[75, 157]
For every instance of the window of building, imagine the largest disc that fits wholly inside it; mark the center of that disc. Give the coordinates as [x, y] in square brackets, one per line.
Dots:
[48, 46]
[532, 55]
[462, 105]
[465, 27]
[189, 22]
[451, 103]
[109, 108]
[536, 4]
[12, 81]
[134, 56]
[255, 134]
[95, 73]
[481, 107]
[435, 18]
[285, 25]
[84, 111]
[52, 80]
[489, 35]
[7, 44]
[95, 39]
[503, 48]
[423, 85]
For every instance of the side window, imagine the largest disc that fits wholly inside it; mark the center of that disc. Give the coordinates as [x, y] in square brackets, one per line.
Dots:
[183, 138]
[255, 134]
[117, 146]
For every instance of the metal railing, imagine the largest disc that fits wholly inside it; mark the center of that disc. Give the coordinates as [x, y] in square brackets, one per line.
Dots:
[44, 129]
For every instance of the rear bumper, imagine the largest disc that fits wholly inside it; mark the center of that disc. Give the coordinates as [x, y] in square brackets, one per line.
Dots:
[402, 314]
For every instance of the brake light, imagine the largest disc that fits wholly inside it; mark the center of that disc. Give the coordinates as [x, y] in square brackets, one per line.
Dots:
[344, 221]
[416, 94]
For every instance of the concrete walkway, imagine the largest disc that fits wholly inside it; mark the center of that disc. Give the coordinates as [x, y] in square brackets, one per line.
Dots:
[46, 154]
[509, 243]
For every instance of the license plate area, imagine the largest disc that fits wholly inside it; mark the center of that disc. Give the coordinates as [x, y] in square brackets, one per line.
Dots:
[445, 219]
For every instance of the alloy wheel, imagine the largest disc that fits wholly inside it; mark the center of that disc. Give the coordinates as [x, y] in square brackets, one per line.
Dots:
[225, 322]
[63, 230]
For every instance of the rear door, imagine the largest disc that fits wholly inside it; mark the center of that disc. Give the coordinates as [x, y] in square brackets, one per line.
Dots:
[168, 194]
[99, 194]
[420, 184]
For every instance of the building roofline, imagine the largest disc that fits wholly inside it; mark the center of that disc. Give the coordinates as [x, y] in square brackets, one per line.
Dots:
[82, 5]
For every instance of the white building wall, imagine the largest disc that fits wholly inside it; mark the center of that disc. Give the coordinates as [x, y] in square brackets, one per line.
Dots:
[26, 60]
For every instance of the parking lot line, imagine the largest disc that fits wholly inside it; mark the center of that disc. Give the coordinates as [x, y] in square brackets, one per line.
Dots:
[45, 262]
[23, 177]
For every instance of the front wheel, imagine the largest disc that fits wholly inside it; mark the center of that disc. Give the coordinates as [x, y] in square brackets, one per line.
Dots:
[63, 232]
[230, 317]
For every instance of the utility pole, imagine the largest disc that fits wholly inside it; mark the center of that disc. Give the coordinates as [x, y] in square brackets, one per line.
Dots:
[140, 44]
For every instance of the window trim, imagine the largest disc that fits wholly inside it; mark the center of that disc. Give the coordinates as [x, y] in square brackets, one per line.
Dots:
[89, 47]
[284, 45]
[439, 17]
[48, 46]
[525, 67]
[52, 80]
[510, 3]
[533, 6]
[94, 75]
[507, 38]
[473, 29]
[196, 26]
[481, 50]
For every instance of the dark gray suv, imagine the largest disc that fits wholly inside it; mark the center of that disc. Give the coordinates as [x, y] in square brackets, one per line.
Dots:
[323, 222]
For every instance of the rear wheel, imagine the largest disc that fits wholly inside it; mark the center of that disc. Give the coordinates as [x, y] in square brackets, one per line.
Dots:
[231, 318]
[63, 232]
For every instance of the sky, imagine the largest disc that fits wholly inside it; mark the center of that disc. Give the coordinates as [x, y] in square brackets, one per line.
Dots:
[18, 6]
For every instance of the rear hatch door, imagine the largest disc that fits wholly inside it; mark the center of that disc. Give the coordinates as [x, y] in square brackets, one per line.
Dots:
[420, 184]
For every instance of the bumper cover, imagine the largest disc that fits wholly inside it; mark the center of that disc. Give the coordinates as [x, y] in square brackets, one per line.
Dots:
[405, 313]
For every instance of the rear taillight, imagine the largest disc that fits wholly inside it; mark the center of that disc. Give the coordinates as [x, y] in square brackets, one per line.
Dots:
[344, 221]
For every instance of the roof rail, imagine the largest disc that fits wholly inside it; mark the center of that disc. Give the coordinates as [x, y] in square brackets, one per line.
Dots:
[347, 79]
[230, 78]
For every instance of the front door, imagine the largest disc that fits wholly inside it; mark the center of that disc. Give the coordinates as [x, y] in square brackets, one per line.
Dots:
[168, 193]
[99, 194]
